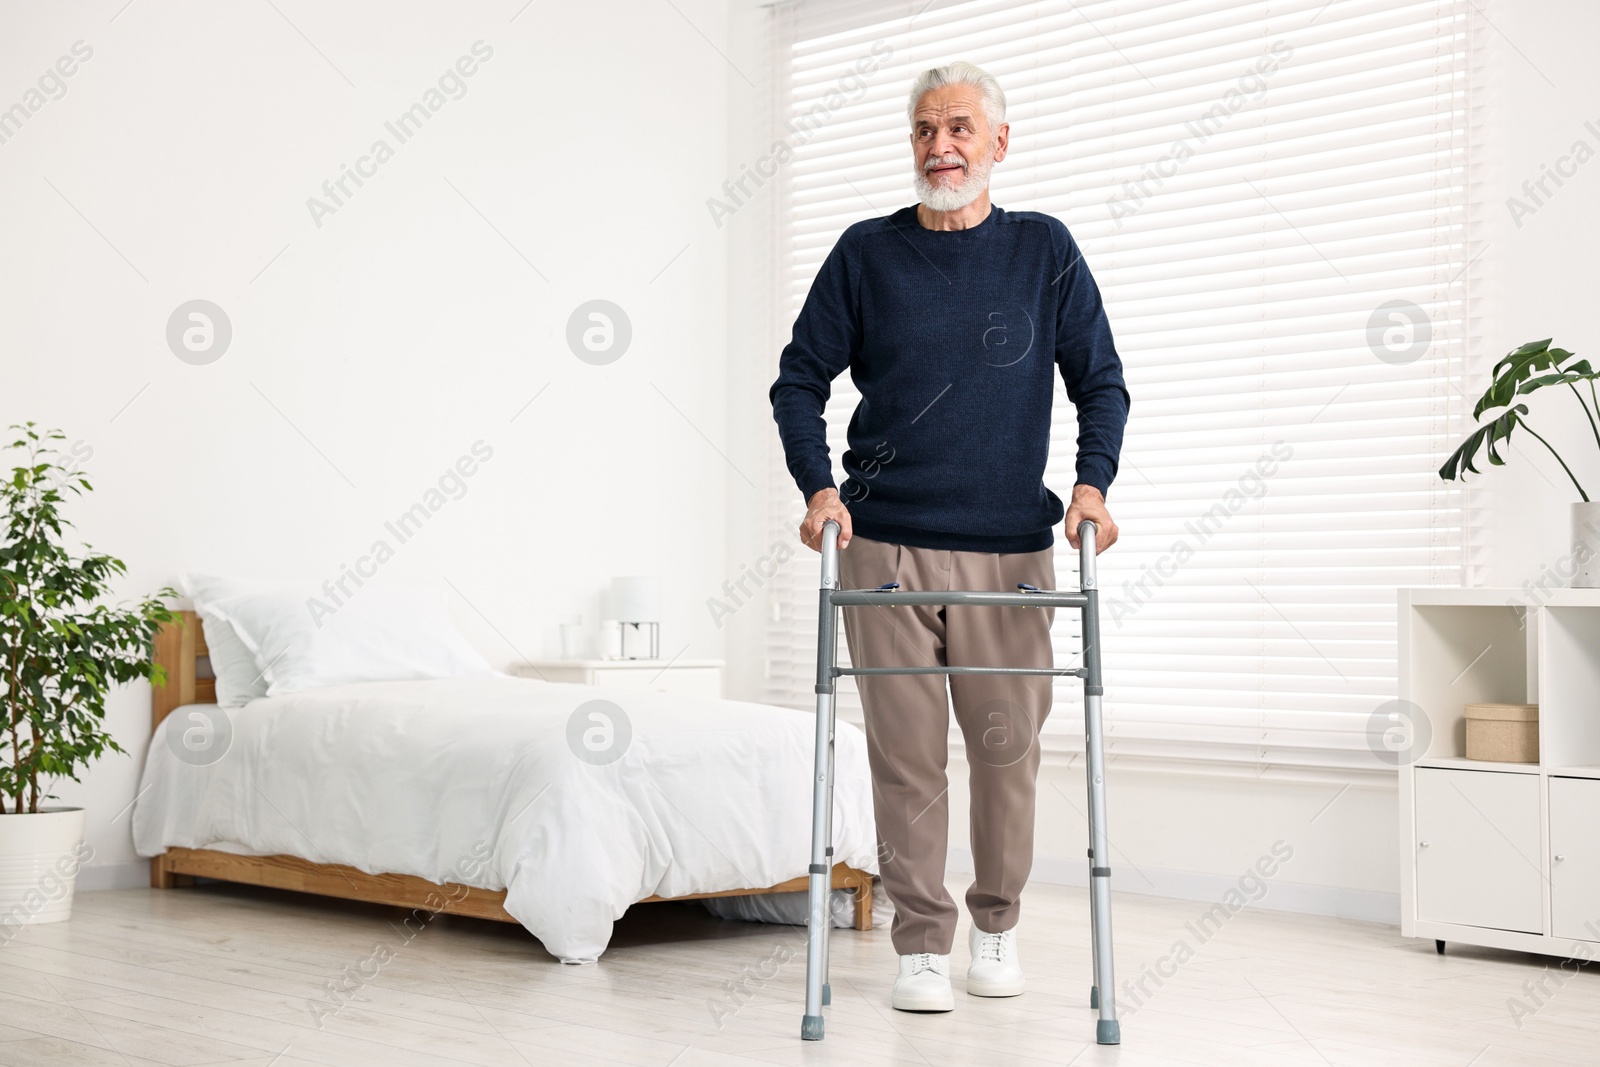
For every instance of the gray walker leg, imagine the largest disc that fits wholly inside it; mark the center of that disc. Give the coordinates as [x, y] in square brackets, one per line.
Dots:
[1104, 994]
[818, 914]
[826, 918]
[1088, 782]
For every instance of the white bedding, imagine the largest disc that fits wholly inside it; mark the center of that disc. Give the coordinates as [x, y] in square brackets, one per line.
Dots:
[424, 777]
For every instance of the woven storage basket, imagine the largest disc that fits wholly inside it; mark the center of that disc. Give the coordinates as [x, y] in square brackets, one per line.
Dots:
[1507, 733]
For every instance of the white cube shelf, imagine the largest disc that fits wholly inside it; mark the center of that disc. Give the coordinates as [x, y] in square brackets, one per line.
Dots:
[1569, 657]
[1505, 855]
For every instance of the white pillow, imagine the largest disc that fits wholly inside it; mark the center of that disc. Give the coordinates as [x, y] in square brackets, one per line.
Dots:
[238, 675]
[381, 634]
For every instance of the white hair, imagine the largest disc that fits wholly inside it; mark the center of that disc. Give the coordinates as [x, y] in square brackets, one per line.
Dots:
[961, 73]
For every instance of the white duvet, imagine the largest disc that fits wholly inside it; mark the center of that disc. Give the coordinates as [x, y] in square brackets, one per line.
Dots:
[428, 777]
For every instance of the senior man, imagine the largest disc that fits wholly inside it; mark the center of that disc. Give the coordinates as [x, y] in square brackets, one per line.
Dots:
[952, 316]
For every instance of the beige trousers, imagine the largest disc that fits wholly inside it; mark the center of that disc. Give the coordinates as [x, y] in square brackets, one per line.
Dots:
[908, 722]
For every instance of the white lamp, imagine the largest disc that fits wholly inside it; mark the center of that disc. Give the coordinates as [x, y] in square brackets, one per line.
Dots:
[635, 603]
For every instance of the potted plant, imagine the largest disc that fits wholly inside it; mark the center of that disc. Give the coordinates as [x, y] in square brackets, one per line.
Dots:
[60, 654]
[1530, 368]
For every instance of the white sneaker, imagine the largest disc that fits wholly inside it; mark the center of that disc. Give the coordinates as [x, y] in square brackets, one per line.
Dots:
[995, 970]
[923, 983]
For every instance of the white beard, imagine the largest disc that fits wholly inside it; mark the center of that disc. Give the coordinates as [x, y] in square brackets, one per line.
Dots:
[944, 198]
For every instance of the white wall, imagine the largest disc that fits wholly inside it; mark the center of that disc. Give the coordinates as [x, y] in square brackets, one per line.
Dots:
[376, 349]
[1542, 274]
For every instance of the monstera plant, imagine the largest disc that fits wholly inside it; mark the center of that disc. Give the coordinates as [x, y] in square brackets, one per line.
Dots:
[61, 651]
[1530, 368]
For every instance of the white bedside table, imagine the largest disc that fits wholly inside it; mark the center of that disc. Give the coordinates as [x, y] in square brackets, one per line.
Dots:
[685, 677]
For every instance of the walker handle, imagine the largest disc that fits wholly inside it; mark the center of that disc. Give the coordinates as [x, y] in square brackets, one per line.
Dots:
[1086, 531]
[830, 554]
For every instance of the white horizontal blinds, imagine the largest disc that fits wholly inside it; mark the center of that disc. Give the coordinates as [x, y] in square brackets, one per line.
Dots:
[1251, 185]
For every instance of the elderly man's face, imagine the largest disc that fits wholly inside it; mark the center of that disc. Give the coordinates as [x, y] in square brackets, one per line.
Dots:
[950, 133]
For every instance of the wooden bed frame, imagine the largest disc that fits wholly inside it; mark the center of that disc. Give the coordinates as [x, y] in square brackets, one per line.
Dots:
[179, 647]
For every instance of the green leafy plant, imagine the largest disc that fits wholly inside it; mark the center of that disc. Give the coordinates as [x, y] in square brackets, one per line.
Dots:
[60, 652]
[1530, 368]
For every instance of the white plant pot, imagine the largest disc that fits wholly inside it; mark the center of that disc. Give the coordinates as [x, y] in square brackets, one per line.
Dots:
[1586, 544]
[39, 859]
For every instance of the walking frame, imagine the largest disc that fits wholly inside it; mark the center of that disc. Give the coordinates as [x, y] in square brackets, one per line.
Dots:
[1102, 994]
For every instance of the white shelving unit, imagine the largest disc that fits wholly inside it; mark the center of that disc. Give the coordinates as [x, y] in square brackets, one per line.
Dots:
[1505, 855]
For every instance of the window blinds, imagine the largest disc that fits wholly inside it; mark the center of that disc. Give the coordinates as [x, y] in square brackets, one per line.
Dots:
[1273, 199]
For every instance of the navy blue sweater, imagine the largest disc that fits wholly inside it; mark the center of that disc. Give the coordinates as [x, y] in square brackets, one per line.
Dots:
[952, 338]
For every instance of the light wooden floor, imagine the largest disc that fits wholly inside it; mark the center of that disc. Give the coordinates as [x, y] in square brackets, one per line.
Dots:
[226, 975]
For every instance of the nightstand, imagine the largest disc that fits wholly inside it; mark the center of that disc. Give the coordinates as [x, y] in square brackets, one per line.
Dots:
[684, 677]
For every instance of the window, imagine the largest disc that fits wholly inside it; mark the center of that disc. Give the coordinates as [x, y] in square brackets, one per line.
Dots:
[1274, 202]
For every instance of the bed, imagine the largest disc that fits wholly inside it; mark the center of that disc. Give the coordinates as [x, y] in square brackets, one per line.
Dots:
[463, 796]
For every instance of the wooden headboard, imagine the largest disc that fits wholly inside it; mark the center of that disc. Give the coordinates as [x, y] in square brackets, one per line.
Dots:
[181, 651]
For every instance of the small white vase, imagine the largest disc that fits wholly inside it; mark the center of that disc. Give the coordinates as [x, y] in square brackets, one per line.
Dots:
[39, 859]
[1586, 544]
